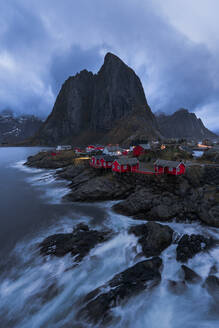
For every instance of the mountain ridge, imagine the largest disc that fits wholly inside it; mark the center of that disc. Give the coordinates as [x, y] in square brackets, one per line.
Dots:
[183, 124]
[15, 129]
[91, 105]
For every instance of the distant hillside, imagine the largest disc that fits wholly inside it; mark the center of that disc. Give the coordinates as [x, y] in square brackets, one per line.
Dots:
[183, 124]
[95, 107]
[16, 129]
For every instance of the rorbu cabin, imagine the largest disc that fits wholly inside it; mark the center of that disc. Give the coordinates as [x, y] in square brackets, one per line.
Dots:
[141, 149]
[94, 148]
[169, 167]
[113, 150]
[122, 165]
[90, 148]
[96, 161]
[78, 151]
[107, 161]
[64, 147]
[102, 161]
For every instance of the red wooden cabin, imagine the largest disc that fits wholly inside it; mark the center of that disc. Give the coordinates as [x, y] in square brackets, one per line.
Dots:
[102, 161]
[96, 161]
[169, 167]
[107, 161]
[140, 149]
[94, 148]
[78, 150]
[122, 165]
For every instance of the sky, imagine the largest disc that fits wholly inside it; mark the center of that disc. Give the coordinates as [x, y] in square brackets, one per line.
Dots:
[172, 45]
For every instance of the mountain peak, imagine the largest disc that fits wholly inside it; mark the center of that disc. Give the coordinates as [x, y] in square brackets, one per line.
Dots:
[90, 107]
[182, 110]
[109, 57]
[183, 124]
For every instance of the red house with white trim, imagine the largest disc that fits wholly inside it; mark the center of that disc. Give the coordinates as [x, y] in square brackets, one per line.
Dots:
[96, 161]
[92, 148]
[78, 150]
[102, 161]
[122, 165]
[169, 167]
[141, 149]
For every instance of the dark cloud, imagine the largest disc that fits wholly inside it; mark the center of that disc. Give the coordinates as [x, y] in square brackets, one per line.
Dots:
[43, 42]
[71, 62]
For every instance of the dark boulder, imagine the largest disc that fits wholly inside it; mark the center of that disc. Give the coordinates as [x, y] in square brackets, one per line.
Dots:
[212, 286]
[190, 275]
[190, 245]
[142, 276]
[78, 243]
[153, 237]
[177, 287]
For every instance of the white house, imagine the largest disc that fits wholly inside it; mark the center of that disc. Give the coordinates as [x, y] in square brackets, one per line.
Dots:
[113, 150]
[64, 147]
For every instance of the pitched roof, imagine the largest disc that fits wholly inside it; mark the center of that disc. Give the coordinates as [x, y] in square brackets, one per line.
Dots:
[127, 161]
[145, 146]
[164, 163]
[98, 156]
[107, 158]
[113, 148]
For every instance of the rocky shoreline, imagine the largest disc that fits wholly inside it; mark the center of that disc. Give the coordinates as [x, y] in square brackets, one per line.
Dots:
[192, 197]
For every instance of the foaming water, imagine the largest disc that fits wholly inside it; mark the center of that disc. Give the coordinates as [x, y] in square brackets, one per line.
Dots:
[46, 292]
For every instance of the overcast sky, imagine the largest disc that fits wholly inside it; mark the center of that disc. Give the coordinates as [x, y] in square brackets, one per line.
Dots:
[173, 45]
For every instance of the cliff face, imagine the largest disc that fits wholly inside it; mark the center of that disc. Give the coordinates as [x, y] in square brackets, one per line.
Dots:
[183, 124]
[90, 105]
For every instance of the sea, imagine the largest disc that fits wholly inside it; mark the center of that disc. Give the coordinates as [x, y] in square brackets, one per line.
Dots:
[39, 292]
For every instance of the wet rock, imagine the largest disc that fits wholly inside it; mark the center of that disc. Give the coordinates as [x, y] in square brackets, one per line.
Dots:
[213, 269]
[142, 276]
[153, 237]
[93, 188]
[209, 213]
[70, 172]
[177, 287]
[50, 160]
[78, 243]
[190, 275]
[190, 245]
[212, 286]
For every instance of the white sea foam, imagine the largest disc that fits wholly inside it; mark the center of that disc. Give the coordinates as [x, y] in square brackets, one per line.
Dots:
[39, 292]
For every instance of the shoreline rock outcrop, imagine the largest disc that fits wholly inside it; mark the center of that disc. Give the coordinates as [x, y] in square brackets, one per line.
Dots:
[142, 276]
[153, 237]
[78, 243]
[191, 197]
[190, 245]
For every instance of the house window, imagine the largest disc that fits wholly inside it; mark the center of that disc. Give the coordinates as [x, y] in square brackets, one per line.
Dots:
[124, 167]
[170, 169]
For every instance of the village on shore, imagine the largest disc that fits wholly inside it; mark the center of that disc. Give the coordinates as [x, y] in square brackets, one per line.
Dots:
[143, 157]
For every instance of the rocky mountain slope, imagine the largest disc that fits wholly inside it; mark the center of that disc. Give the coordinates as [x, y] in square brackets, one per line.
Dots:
[16, 129]
[183, 124]
[90, 106]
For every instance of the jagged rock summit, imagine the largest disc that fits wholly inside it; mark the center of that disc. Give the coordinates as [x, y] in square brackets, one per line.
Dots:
[90, 106]
[183, 124]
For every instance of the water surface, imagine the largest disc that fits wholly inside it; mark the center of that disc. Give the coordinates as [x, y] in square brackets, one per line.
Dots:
[43, 293]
